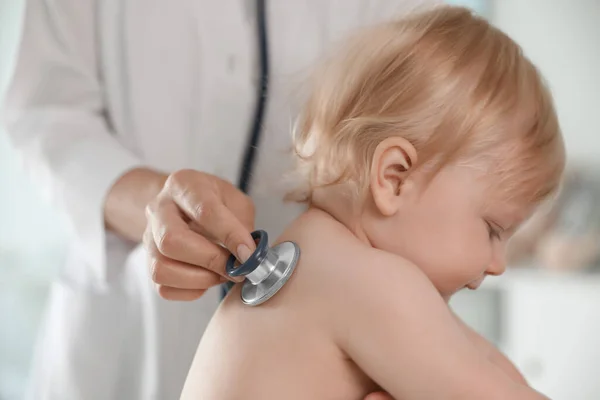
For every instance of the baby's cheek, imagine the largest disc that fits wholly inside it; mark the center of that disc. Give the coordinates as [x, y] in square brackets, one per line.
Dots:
[483, 255]
[461, 249]
[476, 254]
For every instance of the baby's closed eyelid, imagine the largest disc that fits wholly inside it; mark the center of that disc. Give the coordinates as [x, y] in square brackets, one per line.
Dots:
[493, 232]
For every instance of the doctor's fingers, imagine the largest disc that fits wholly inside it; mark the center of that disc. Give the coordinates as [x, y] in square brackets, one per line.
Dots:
[168, 272]
[218, 221]
[172, 237]
[166, 292]
[170, 293]
[379, 396]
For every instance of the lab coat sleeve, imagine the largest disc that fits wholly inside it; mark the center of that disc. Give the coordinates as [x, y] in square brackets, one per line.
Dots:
[55, 117]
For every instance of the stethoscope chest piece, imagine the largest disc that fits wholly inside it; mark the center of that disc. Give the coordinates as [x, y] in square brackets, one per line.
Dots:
[267, 269]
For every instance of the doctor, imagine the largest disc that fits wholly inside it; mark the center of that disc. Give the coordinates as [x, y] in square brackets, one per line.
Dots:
[122, 108]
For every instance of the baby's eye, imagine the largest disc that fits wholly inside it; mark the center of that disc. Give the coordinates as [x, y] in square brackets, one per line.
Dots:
[493, 232]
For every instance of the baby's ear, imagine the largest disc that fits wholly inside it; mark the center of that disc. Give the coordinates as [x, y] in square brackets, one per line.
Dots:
[392, 162]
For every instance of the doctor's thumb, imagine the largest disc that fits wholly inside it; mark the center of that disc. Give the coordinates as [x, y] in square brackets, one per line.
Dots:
[242, 209]
[243, 252]
[236, 237]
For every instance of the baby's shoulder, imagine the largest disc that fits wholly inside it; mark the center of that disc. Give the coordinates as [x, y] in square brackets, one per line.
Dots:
[334, 263]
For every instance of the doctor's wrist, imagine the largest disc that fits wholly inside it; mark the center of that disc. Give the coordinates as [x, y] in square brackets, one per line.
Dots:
[125, 204]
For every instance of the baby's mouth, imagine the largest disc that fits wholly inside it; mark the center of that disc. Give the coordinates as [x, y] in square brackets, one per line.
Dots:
[473, 285]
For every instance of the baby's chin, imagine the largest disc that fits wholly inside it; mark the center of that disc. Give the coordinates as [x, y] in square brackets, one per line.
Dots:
[474, 285]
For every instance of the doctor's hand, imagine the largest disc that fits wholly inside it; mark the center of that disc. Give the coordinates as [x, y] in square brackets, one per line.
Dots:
[189, 222]
[379, 396]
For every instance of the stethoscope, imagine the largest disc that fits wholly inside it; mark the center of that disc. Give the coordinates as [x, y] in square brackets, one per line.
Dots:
[267, 269]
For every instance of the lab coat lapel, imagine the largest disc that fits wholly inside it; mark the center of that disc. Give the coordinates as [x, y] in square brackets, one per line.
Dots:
[192, 96]
[158, 41]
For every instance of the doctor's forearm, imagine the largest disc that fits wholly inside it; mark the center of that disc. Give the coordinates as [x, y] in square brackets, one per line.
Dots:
[125, 205]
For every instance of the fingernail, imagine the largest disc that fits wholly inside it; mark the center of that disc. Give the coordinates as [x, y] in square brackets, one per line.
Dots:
[243, 253]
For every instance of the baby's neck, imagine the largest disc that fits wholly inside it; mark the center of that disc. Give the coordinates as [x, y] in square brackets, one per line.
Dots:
[335, 215]
[340, 206]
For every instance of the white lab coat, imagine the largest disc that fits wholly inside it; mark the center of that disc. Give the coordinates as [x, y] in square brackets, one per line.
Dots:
[104, 86]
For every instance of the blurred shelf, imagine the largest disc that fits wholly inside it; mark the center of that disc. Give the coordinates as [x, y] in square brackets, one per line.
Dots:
[546, 321]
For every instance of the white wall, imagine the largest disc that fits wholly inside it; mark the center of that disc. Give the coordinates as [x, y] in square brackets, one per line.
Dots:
[545, 323]
[563, 38]
[27, 223]
[32, 239]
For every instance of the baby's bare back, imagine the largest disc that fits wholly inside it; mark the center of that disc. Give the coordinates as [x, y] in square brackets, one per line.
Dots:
[285, 348]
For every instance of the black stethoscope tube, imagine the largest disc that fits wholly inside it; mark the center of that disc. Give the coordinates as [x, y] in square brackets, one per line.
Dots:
[259, 111]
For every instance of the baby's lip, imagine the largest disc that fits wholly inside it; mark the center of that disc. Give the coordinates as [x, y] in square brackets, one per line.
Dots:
[476, 283]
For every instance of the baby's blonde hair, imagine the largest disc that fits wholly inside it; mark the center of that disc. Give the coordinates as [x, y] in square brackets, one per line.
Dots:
[454, 86]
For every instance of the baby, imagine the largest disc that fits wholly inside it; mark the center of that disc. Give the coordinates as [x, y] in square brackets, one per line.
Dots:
[424, 144]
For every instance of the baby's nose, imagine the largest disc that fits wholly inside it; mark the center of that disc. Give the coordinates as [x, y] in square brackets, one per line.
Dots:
[497, 267]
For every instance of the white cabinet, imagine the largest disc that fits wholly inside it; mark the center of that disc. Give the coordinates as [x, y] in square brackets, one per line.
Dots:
[547, 324]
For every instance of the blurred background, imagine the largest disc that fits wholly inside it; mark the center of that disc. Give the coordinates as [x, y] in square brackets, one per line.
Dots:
[544, 312]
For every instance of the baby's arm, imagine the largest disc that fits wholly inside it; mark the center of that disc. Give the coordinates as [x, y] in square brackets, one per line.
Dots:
[396, 327]
[492, 353]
